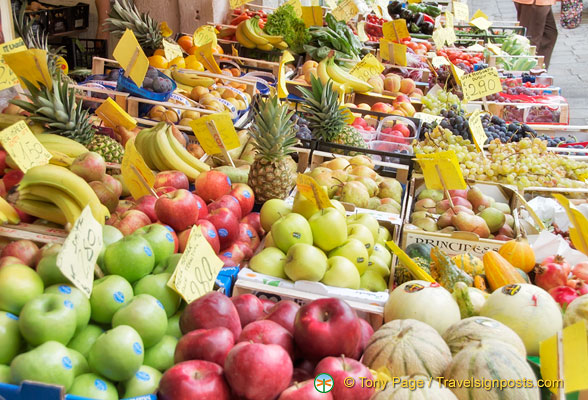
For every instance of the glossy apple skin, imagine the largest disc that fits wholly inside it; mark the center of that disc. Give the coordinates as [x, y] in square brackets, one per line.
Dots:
[254, 220]
[178, 209]
[211, 185]
[244, 195]
[268, 332]
[25, 250]
[249, 308]
[205, 344]
[175, 179]
[146, 204]
[202, 208]
[327, 327]
[366, 333]
[267, 305]
[194, 379]
[227, 201]
[249, 235]
[284, 313]
[341, 368]
[212, 310]
[129, 221]
[226, 224]
[210, 233]
[304, 391]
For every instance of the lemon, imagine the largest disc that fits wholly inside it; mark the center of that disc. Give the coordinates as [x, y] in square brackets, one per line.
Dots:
[158, 61]
[178, 62]
[193, 63]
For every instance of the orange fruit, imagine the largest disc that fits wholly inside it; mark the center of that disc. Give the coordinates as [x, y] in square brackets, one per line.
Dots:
[178, 62]
[193, 63]
[158, 61]
[192, 50]
[218, 49]
[159, 52]
[186, 42]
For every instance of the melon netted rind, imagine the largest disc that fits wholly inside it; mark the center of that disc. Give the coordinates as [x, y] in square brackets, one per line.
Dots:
[407, 347]
[491, 361]
[577, 311]
[431, 390]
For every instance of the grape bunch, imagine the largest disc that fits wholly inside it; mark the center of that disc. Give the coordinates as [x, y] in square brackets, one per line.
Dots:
[301, 126]
[455, 121]
[496, 128]
[554, 141]
[434, 103]
[446, 80]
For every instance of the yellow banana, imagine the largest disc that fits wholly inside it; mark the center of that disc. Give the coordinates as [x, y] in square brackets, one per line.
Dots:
[191, 79]
[172, 158]
[59, 158]
[338, 74]
[140, 146]
[281, 45]
[9, 212]
[185, 154]
[324, 77]
[249, 31]
[41, 209]
[272, 39]
[152, 148]
[70, 208]
[61, 143]
[267, 47]
[241, 38]
[3, 218]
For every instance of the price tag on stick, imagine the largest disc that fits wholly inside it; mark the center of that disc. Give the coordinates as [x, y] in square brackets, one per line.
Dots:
[442, 171]
[205, 34]
[30, 65]
[579, 228]
[24, 148]
[136, 174]
[218, 137]
[131, 57]
[367, 67]
[204, 55]
[477, 130]
[461, 11]
[113, 115]
[480, 84]
[395, 30]
[172, 50]
[297, 7]
[310, 189]
[7, 77]
[312, 16]
[238, 3]
[346, 10]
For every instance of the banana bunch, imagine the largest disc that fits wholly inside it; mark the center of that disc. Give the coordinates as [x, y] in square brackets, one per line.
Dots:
[342, 80]
[190, 79]
[8, 213]
[162, 151]
[61, 144]
[58, 195]
[250, 35]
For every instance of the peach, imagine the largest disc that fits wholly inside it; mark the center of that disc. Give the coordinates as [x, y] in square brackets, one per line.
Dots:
[308, 73]
[382, 107]
[377, 84]
[364, 106]
[392, 83]
[407, 85]
[398, 112]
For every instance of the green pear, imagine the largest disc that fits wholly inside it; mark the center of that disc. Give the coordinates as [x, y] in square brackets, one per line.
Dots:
[78, 362]
[109, 294]
[49, 272]
[47, 317]
[93, 386]
[173, 326]
[373, 281]
[156, 286]
[436, 195]
[10, 337]
[80, 302]
[5, 374]
[161, 355]
[83, 341]
[146, 315]
[269, 261]
[18, 284]
[144, 382]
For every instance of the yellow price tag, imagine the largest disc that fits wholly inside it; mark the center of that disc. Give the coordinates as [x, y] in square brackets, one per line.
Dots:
[297, 7]
[172, 50]
[346, 10]
[479, 14]
[461, 11]
[362, 36]
[24, 148]
[477, 130]
[197, 269]
[137, 176]
[310, 189]
[204, 55]
[457, 73]
[476, 47]
[448, 20]
[579, 228]
[385, 49]
[312, 16]
[238, 3]
[130, 56]
[414, 1]
[408, 262]
[399, 54]
[281, 84]
[209, 142]
[480, 83]
[7, 77]
[428, 118]
[80, 250]
[205, 34]
[30, 65]
[113, 115]
[494, 49]
[439, 37]
[438, 61]
[395, 30]
[165, 30]
[444, 163]
[481, 23]
[367, 67]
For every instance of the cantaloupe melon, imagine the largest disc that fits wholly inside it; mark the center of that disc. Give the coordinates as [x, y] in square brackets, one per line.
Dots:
[424, 301]
[526, 309]
[577, 311]
[487, 364]
[423, 388]
[406, 347]
[475, 329]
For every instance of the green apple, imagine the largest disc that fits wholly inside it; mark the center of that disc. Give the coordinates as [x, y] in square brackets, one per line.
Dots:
[131, 257]
[83, 341]
[368, 220]
[160, 239]
[363, 234]
[10, 337]
[18, 284]
[5, 374]
[303, 206]
[373, 281]
[49, 272]
[161, 355]
[269, 241]
[290, 230]
[271, 211]
[93, 386]
[156, 286]
[80, 302]
[117, 354]
[305, 262]
[269, 261]
[78, 362]
[173, 326]
[341, 273]
[48, 363]
[339, 207]
[110, 235]
[384, 236]
[48, 317]
[383, 253]
[168, 265]
[144, 382]
[146, 315]
[375, 263]
[108, 295]
[354, 251]
[329, 229]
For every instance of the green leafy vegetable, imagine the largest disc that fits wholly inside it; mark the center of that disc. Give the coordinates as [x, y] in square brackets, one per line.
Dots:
[284, 22]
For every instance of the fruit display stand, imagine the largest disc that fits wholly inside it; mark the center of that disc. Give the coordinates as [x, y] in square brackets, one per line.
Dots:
[98, 95]
[249, 64]
[35, 233]
[30, 390]
[531, 113]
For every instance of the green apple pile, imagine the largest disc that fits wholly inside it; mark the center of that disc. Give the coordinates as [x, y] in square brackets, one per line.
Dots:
[328, 247]
[117, 343]
[353, 181]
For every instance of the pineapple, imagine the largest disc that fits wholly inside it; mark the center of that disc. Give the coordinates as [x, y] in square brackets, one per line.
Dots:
[111, 150]
[57, 110]
[326, 119]
[125, 15]
[273, 173]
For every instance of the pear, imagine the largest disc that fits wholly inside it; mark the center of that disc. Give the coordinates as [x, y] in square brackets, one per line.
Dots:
[446, 218]
[389, 208]
[419, 214]
[447, 229]
[470, 223]
[340, 175]
[493, 217]
[319, 170]
[390, 187]
[444, 205]
[505, 208]
[369, 183]
[49, 363]
[509, 220]
[336, 163]
[478, 199]
[428, 205]
[388, 200]
[326, 180]
[436, 195]
[506, 230]
[374, 203]
[427, 224]
[362, 160]
[355, 193]
[362, 170]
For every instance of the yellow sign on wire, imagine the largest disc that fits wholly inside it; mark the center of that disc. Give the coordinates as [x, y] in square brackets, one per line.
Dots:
[312, 16]
[131, 57]
[113, 115]
[310, 189]
[441, 170]
[7, 77]
[224, 125]
[30, 65]
[23, 147]
[137, 176]
[346, 10]
[477, 130]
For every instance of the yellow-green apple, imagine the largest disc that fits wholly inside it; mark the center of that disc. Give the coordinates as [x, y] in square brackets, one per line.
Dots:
[269, 241]
[247, 367]
[83, 341]
[48, 363]
[129, 221]
[173, 235]
[249, 235]
[131, 257]
[156, 286]
[244, 195]
[143, 383]
[363, 234]
[110, 234]
[49, 272]
[283, 312]
[173, 325]
[366, 333]
[202, 207]
[271, 211]
[376, 264]
[372, 280]
[5, 374]
[209, 311]
[303, 206]
[329, 228]
[291, 229]
[341, 369]
[10, 337]
[211, 185]
[108, 295]
[384, 236]
[117, 354]
[89, 166]
[194, 379]
[75, 299]
[226, 224]
[326, 327]
[18, 284]
[341, 273]
[161, 355]
[146, 315]
[178, 209]
[210, 234]
[381, 251]
[113, 184]
[249, 308]
[269, 261]
[205, 344]
[175, 179]
[93, 386]
[227, 201]
[47, 317]
[254, 220]
[146, 204]
[268, 332]
[9, 260]
[78, 362]
[305, 262]
[47, 249]
[354, 251]
[106, 196]
[339, 206]
[369, 221]
[304, 391]
[24, 250]
[160, 239]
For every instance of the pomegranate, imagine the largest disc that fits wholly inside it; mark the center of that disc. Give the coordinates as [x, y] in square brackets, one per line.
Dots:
[564, 295]
[582, 288]
[548, 276]
[558, 260]
[580, 270]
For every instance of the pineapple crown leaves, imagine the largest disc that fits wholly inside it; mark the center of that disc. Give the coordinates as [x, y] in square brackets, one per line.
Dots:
[124, 15]
[272, 129]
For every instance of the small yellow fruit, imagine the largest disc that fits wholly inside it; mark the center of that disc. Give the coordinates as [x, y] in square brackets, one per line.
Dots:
[309, 65]
[215, 93]
[242, 105]
[198, 92]
[234, 102]
[171, 116]
[193, 63]
[158, 61]
[185, 121]
[189, 114]
[228, 94]
[178, 62]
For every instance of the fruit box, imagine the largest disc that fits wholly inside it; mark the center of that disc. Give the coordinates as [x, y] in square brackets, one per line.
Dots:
[458, 242]
[41, 391]
[531, 113]
[35, 233]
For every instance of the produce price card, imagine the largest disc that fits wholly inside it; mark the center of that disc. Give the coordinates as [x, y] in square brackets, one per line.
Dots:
[131, 57]
[442, 171]
[346, 10]
[297, 7]
[208, 140]
[310, 189]
[113, 115]
[481, 23]
[203, 35]
[367, 67]
[438, 61]
[363, 37]
[480, 84]
[24, 148]
[80, 251]
[136, 174]
[395, 30]
[461, 11]
[172, 50]
[477, 130]
[7, 77]
[30, 65]
[312, 16]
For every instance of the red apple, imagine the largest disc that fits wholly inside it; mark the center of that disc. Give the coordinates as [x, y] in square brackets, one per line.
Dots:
[205, 344]
[226, 224]
[244, 247]
[211, 185]
[210, 233]
[403, 129]
[366, 333]
[254, 220]
[267, 305]
[284, 313]
[202, 208]
[210, 311]
[249, 307]
[327, 327]
[248, 234]
[226, 201]
[3, 154]
[129, 221]
[147, 205]
[175, 179]
[165, 189]
[382, 107]
[24, 217]
[258, 371]
[304, 391]
[12, 178]
[340, 369]
[183, 239]
[401, 98]
[178, 209]
[113, 184]
[244, 195]
[232, 256]
[194, 379]
[105, 195]
[89, 166]
[24, 250]
[268, 332]
[9, 260]
[124, 205]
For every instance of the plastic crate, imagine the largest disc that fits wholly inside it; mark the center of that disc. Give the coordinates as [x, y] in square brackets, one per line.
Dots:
[80, 52]
[79, 16]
